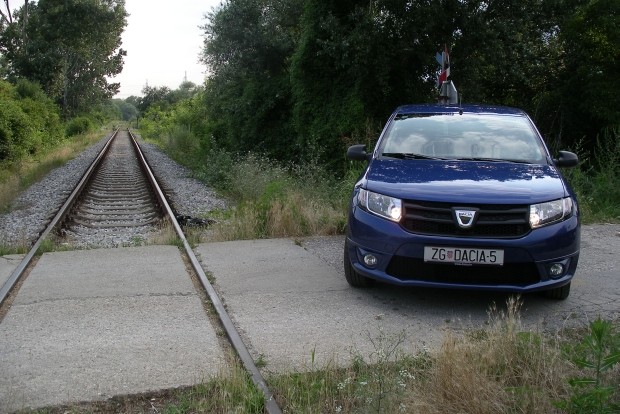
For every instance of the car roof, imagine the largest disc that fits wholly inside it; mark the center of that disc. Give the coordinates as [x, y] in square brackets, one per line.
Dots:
[447, 109]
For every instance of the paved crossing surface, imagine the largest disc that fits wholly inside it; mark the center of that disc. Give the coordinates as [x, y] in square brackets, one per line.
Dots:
[87, 325]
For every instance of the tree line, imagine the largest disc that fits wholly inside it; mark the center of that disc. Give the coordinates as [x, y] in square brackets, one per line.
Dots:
[305, 78]
[68, 47]
[55, 61]
[297, 79]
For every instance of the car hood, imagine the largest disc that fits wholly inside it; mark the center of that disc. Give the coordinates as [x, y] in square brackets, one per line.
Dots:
[465, 181]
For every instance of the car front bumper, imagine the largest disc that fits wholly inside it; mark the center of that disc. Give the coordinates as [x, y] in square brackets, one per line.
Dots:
[399, 256]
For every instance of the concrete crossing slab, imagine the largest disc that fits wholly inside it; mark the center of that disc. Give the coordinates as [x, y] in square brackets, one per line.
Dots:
[88, 325]
[295, 310]
[8, 264]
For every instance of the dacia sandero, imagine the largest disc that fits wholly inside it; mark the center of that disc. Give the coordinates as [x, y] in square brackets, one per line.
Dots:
[463, 196]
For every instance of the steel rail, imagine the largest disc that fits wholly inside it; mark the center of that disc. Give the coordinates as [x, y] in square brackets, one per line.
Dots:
[60, 215]
[231, 331]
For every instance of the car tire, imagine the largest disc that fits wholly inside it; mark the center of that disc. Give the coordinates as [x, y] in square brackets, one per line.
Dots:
[353, 278]
[560, 293]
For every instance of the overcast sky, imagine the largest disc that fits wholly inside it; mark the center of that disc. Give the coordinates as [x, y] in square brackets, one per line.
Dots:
[163, 42]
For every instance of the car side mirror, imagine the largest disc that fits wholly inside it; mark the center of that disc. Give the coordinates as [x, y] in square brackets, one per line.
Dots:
[566, 159]
[358, 153]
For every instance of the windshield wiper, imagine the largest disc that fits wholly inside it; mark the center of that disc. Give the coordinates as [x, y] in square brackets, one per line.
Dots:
[410, 156]
[492, 160]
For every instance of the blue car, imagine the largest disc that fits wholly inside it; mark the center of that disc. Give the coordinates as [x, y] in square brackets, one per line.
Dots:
[463, 196]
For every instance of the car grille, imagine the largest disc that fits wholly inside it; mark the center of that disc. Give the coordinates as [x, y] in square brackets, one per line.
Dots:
[494, 221]
[515, 274]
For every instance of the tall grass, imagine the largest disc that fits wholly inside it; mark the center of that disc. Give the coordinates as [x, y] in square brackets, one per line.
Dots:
[597, 179]
[15, 177]
[502, 369]
[499, 369]
[289, 200]
[273, 200]
[270, 199]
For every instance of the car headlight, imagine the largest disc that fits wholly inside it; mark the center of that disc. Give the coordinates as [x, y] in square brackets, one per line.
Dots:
[381, 205]
[550, 212]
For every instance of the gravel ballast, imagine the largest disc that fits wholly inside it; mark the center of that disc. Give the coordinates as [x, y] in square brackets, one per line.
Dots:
[32, 211]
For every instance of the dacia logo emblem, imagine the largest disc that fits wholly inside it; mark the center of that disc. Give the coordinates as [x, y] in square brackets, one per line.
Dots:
[465, 218]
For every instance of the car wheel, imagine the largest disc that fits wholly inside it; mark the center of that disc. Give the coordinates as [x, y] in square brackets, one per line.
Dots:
[560, 293]
[353, 278]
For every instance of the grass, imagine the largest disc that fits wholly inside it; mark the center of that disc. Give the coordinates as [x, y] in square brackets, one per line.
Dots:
[597, 180]
[6, 250]
[269, 199]
[18, 176]
[294, 200]
[499, 369]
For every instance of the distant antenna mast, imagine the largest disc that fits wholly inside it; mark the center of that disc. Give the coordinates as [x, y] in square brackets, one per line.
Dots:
[447, 90]
[185, 77]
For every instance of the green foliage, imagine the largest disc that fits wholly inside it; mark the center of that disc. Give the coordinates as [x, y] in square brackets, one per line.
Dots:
[272, 199]
[160, 96]
[508, 51]
[357, 61]
[299, 81]
[14, 130]
[29, 121]
[302, 79]
[597, 179]
[79, 125]
[298, 200]
[597, 354]
[248, 96]
[591, 39]
[70, 48]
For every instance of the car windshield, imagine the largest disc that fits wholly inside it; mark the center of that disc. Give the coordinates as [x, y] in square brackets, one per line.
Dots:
[468, 137]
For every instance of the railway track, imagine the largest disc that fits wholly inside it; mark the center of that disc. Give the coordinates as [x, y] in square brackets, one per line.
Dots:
[118, 197]
[118, 203]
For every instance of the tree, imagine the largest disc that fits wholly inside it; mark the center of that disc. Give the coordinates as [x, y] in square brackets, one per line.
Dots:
[297, 78]
[161, 97]
[588, 96]
[126, 110]
[69, 48]
[29, 121]
[356, 61]
[248, 97]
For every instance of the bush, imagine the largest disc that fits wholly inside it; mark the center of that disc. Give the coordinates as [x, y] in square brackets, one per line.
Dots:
[14, 131]
[596, 181]
[78, 125]
[29, 121]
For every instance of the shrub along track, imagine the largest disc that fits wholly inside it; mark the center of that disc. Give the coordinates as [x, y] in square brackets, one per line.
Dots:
[119, 193]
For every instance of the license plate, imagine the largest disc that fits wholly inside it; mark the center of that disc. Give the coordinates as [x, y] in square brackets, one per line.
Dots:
[461, 255]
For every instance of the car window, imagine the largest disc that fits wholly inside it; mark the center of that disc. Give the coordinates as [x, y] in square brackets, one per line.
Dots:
[463, 137]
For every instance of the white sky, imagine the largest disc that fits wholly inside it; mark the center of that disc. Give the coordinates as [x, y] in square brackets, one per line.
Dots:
[163, 42]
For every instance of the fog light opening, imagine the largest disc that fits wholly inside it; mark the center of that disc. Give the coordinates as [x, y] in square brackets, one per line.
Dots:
[370, 260]
[556, 270]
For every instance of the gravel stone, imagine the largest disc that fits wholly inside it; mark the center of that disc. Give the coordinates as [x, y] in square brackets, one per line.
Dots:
[187, 195]
[33, 210]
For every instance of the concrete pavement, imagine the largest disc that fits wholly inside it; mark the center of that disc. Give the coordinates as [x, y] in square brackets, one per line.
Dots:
[7, 264]
[88, 325]
[295, 309]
